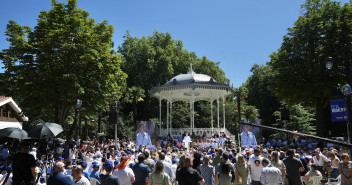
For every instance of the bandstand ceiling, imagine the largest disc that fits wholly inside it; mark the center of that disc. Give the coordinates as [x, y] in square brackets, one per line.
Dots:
[183, 86]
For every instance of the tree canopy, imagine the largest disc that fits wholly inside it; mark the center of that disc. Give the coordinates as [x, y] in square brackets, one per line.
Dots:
[66, 56]
[299, 73]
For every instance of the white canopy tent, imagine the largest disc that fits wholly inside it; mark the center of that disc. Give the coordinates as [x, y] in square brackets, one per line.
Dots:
[191, 87]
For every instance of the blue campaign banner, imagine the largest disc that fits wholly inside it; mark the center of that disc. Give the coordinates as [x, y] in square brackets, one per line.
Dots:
[338, 110]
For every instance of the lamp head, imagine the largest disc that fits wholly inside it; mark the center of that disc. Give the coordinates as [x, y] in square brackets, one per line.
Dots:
[329, 61]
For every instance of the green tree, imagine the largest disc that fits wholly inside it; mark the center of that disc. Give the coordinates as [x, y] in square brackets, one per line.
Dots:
[137, 95]
[153, 60]
[259, 95]
[250, 112]
[301, 120]
[240, 94]
[67, 56]
[299, 74]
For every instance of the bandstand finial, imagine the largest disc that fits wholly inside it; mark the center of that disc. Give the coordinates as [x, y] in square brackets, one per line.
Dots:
[191, 71]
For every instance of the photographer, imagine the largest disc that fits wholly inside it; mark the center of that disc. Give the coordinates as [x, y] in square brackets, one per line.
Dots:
[24, 166]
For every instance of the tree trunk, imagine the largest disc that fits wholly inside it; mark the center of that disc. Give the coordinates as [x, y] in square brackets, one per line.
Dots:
[320, 125]
[80, 127]
[134, 111]
[74, 125]
[99, 120]
[86, 134]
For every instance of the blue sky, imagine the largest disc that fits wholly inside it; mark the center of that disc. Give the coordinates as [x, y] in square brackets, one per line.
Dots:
[236, 33]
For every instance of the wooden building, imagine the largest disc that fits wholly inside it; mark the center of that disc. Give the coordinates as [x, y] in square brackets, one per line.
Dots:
[10, 114]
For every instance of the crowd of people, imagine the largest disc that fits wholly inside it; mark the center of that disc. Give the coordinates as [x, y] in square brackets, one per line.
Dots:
[211, 160]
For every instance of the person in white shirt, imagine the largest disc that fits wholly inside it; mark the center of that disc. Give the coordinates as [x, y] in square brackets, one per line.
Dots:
[78, 176]
[255, 166]
[34, 153]
[208, 135]
[270, 175]
[187, 141]
[126, 175]
[320, 160]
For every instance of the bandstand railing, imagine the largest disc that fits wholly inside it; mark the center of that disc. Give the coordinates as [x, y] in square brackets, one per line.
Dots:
[174, 131]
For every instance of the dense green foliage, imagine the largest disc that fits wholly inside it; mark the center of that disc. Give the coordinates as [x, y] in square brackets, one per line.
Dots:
[153, 60]
[67, 56]
[299, 74]
[259, 95]
[301, 120]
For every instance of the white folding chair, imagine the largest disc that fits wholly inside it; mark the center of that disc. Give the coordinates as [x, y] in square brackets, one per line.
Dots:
[336, 181]
[316, 180]
[94, 181]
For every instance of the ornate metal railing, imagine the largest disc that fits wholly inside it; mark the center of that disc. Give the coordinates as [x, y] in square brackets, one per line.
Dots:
[174, 131]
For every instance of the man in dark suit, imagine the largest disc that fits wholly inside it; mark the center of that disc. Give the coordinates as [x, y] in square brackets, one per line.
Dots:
[141, 171]
[58, 178]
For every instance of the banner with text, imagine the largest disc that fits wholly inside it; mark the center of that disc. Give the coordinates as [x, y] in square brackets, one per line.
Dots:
[338, 110]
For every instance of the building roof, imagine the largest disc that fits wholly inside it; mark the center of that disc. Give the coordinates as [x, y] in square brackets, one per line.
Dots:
[8, 100]
[3, 98]
[192, 86]
[190, 78]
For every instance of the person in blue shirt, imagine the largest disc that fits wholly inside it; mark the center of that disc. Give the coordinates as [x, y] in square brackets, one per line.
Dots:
[95, 172]
[142, 137]
[141, 171]
[58, 177]
[247, 137]
[4, 153]
[85, 172]
[279, 143]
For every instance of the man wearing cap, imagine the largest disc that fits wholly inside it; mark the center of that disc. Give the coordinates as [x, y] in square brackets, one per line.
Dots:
[85, 172]
[125, 175]
[60, 159]
[95, 172]
[78, 176]
[24, 166]
[58, 177]
[108, 178]
[270, 175]
[91, 167]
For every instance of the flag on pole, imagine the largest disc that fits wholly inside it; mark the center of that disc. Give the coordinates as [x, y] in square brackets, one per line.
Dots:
[123, 164]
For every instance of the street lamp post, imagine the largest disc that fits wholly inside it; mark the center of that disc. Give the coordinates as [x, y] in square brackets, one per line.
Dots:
[347, 69]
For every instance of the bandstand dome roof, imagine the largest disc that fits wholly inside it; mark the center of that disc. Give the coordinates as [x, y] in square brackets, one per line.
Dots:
[184, 86]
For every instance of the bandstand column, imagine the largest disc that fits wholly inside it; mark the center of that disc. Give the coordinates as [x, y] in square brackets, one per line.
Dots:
[217, 100]
[223, 110]
[160, 115]
[211, 118]
[167, 117]
[171, 116]
[190, 111]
